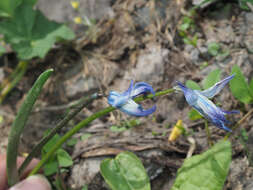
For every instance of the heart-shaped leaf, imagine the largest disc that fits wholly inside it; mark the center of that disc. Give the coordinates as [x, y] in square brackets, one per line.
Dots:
[125, 172]
[205, 171]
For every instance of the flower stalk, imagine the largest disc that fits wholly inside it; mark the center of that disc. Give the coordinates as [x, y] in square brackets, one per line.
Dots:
[85, 122]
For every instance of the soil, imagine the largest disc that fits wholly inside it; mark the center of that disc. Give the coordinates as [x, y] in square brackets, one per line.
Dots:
[140, 41]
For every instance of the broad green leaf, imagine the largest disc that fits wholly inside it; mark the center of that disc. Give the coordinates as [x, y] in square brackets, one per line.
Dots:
[125, 172]
[239, 87]
[243, 4]
[31, 34]
[207, 171]
[251, 87]
[51, 167]
[18, 125]
[7, 7]
[194, 115]
[211, 79]
[213, 48]
[31, 2]
[64, 159]
[46, 148]
[193, 85]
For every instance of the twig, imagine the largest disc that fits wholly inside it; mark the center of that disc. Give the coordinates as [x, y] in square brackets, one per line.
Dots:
[240, 122]
[192, 147]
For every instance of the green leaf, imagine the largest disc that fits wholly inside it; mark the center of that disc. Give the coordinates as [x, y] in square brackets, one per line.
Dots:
[125, 172]
[194, 115]
[18, 126]
[64, 159]
[7, 7]
[31, 34]
[31, 2]
[85, 187]
[239, 86]
[212, 78]
[85, 136]
[251, 87]
[50, 167]
[72, 142]
[243, 4]
[115, 128]
[193, 85]
[207, 171]
[46, 148]
[213, 48]
[132, 123]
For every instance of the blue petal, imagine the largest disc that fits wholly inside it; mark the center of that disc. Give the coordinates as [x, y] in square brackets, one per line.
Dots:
[221, 125]
[129, 90]
[211, 112]
[134, 109]
[215, 89]
[141, 88]
[125, 103]
[183, 87]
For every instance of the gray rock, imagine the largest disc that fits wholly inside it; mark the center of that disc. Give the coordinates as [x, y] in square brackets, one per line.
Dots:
[150, 65]
[84, 172]
[248, 38]
[80, 84]
[62, 11]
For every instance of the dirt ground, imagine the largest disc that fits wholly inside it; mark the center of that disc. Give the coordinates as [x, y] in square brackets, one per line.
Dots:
[136, 40]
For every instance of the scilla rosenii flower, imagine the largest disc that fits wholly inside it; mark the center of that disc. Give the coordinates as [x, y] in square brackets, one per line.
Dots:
[199, 101]
[124, 101]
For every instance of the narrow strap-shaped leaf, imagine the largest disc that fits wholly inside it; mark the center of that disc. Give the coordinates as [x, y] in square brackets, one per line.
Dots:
[83, 102]
[18, 127]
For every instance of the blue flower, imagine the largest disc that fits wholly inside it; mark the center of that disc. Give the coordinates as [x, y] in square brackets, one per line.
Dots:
[199, 101]
[124, 101]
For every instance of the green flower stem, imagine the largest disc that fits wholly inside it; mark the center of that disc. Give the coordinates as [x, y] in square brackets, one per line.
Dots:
[210, 143]
[84, 123]
[83, 102]
[15, 77]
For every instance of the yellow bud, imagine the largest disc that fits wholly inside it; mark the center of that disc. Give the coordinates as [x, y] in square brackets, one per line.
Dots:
[74, 4]
[25, 154]
[78, 20]
[176, 131]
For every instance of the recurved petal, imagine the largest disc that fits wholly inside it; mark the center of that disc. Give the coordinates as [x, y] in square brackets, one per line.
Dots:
[134, 109]
[181, 86]
[116, 99]
[221, 125]
[215, 89]
[141, 88]
[129, 90]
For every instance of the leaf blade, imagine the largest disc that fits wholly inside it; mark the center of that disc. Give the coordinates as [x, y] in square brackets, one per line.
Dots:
[19, 124]
[125, 172]
[207, 170]
[193, 85]
[239, 86]
[212, 78]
